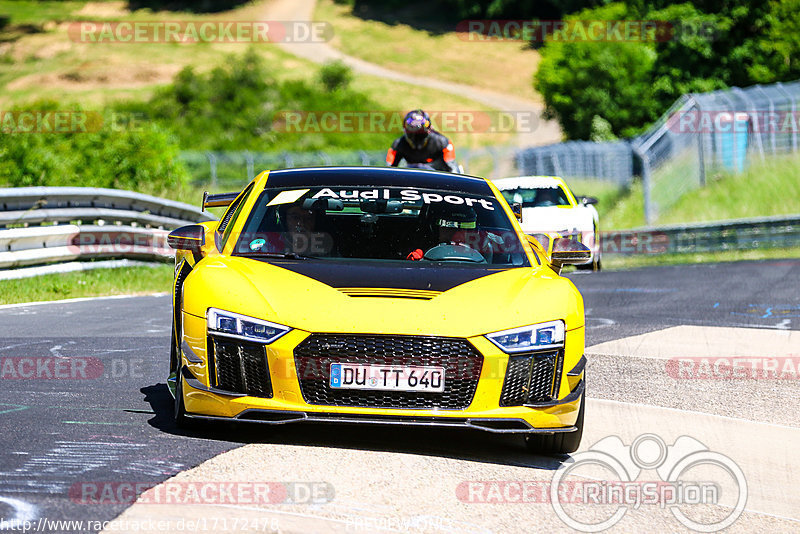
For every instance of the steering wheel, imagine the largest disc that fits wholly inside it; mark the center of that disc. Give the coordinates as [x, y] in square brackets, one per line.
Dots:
[447, 252]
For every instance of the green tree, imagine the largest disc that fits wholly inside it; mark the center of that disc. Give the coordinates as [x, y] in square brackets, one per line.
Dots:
[712, 45]
[583, 79]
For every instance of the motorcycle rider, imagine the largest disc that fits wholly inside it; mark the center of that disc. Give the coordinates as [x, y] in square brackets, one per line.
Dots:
[421, 144]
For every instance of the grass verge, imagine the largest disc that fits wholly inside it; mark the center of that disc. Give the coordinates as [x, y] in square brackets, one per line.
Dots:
[381, 36]
[50, 64]
[768, 187]
[137, 280]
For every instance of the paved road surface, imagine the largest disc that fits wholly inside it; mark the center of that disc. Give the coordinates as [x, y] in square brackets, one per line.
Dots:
[108, 418]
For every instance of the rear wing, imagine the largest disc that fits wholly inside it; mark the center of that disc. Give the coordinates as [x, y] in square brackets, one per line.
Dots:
[218, 200]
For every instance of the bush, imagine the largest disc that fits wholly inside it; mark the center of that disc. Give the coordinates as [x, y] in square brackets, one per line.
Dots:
[229, 108]
[335, 75]
[141, 159]
[236, 107]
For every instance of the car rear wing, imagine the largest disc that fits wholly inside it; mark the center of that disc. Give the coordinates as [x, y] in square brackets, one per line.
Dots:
[218, 200]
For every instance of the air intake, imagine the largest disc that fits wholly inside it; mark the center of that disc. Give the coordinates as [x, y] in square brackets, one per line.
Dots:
[375, 292]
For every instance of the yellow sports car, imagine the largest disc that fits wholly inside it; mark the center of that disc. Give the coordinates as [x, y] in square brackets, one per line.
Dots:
[377, 295]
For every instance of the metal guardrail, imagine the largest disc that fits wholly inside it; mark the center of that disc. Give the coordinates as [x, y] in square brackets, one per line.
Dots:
[104, 224]
[50, 244]
[738, 234]
[85, 204]
[45, 225]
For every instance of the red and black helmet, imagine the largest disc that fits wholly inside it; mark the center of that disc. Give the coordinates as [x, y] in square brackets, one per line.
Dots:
[416, 127]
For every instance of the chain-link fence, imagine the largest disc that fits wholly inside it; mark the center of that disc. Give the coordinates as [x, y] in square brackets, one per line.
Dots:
[709, 132]
[700, 133]
[579, 159]
[233, 169]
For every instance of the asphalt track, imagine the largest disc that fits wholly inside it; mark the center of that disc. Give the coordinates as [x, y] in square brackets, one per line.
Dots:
[108, 420]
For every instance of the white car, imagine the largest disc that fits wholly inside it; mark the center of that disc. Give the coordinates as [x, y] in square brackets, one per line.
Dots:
[548, 207]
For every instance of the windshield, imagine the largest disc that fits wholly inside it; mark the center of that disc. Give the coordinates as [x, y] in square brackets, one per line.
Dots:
[417, 226]
[537, 197]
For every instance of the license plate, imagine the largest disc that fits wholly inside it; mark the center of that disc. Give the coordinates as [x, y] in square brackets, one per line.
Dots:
[386, 377]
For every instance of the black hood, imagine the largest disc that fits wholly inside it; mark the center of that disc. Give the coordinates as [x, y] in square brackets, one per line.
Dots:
[340, 274]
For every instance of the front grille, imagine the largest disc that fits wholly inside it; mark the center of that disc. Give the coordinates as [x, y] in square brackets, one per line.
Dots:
[531, 379]
[462, 364]
[241, 366]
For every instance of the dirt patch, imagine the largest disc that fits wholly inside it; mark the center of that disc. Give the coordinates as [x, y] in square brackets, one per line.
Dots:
[104, 9]
[93, 76]
[51, 50]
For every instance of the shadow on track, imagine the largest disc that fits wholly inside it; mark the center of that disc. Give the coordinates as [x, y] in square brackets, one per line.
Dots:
[461, 444]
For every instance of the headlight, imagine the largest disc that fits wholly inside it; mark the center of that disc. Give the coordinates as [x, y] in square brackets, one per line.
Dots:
[225, 323]
[528, 338]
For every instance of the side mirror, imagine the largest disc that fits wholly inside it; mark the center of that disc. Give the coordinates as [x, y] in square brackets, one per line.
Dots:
[568, 252]
[516, 207]
[542, 239]
[191, 238]
[588, 201]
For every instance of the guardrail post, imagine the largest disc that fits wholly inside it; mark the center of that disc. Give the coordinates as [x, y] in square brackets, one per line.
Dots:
[248, 157]
[647, 185]
[701, 160]
[212, 164]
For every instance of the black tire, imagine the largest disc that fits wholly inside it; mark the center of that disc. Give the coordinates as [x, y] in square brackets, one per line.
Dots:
[595, 265]
[558, 442]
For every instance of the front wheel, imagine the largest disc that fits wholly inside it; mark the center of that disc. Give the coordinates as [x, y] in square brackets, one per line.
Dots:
[558, 442]
[595, 265]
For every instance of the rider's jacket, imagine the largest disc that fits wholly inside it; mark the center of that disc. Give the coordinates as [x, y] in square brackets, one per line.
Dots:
[438, 152]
